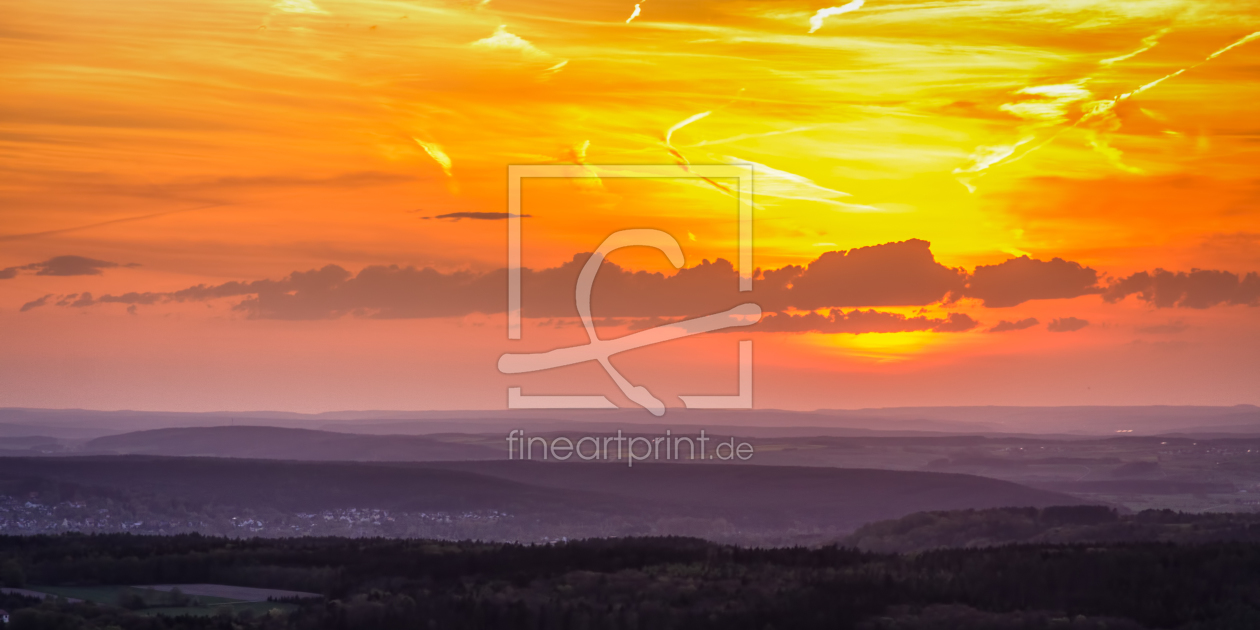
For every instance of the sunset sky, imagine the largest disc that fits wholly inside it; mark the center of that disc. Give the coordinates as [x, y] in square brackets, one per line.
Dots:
[298, 204]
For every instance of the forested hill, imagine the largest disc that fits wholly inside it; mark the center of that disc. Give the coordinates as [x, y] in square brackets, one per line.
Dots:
[656, 584]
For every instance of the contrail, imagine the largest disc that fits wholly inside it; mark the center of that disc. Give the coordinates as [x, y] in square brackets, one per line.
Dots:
[1252, 37]
[1100, 110]
[670, 133]
[816, 22]
[636, 12]
[1107, 106]
[682, 159]
[435, 151]
[751, 136]
[1148, 42]
[14, 237]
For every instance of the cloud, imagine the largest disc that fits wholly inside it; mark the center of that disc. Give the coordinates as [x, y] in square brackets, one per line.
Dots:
[893, 274]
[1200, 288]
[1005, 326]
[297, 6]
[547, 72]
[816, 21]
[1018, 280]
[957, 322]
[35, 303]
[1047, 104]
[63, 266]
[502, 40]
[388, 292]
[1066, 324]
[479, 216]
[903, 273]
[884, 275]
[72, 266]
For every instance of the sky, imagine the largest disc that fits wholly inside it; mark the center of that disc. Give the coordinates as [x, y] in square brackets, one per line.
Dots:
[300, 204]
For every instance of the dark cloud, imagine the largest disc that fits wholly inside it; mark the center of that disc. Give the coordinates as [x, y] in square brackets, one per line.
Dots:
[1005, 326]
[858, 321]
[957, 322]
[71, 266]
[892, 274]
[407, 292]
[1018, 280]
[1066, 324]
[479, 216]
[1200, 288]
[35, 303]
[62, 266]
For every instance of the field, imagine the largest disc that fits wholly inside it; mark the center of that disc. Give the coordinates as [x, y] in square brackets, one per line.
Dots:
[235, 608]
[230, 593]
[207, 599]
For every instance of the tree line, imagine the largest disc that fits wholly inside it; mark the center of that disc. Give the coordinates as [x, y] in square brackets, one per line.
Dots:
[650, 583]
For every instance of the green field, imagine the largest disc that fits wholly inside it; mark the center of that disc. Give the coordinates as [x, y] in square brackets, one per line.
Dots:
[257, 608]
[111, 595]
[97, 594]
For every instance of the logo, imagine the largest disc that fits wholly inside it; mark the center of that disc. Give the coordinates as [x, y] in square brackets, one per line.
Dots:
[600, 350]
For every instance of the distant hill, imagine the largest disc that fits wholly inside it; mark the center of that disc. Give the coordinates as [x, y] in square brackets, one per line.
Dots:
[257, 442]
[778, 498]
[989, 420]
[1060, 524]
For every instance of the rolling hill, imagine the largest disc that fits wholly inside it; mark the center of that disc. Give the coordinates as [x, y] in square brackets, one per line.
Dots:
[779, 498]
[265, 442]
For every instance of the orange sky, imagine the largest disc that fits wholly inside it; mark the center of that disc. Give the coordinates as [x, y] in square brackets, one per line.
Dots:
[205, 143]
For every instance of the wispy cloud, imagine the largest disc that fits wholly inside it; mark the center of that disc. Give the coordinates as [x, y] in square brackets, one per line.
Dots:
[502, 40]
[816, 22]
[556, 68]
[772, 182]
[297, 6]
[1047, 104]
